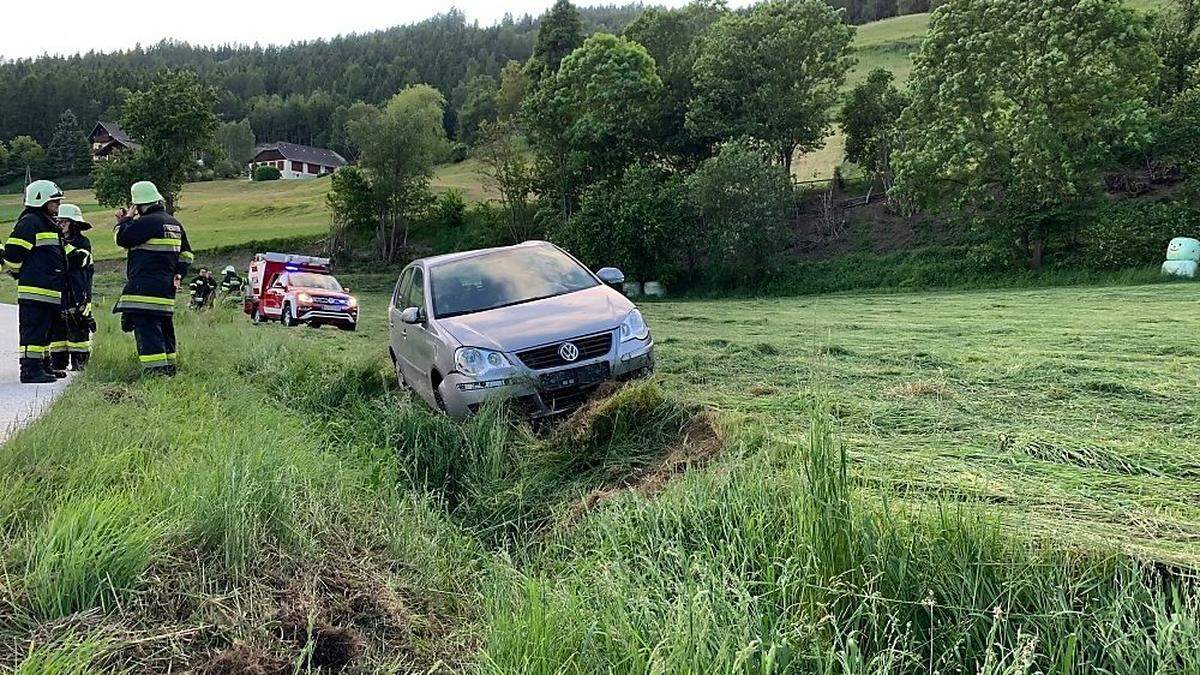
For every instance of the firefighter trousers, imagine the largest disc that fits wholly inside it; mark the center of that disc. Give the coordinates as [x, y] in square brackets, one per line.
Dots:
[79, 341]
[35, 319]
[155, 336]
[58, 340]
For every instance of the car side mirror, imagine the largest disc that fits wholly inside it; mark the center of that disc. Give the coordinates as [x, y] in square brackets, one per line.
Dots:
[611, 276]
[412, 315]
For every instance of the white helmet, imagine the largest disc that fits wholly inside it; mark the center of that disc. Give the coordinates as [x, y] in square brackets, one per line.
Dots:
[229, 269]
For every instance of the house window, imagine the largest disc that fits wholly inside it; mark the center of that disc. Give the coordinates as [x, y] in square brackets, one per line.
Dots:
[314, 169]
[298, 167]
[279, 165]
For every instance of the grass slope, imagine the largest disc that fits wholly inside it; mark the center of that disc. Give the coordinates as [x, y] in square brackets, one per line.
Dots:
[279, 507]
[221, 214]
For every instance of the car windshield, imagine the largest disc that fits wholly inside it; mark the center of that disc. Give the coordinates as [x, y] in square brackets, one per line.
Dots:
[504, 278]
[309, 280]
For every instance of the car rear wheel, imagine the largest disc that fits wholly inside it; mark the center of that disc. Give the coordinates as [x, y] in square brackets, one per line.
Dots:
[286, 316]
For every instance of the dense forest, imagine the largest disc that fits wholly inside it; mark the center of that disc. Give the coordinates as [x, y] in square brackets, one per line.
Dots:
[294, 93]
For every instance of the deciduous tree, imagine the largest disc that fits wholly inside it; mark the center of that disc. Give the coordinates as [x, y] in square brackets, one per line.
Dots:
[508, 169]
[592, 118]
[673, 38]
[236, 140]
[870, 119]
[772, 74]
[399, 146]
[478, 107]
[26, 155]
[1016, 107]
[174, 122]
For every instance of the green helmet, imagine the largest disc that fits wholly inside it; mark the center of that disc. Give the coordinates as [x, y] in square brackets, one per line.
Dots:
[74, 214]
[144, 192]
[41, 191]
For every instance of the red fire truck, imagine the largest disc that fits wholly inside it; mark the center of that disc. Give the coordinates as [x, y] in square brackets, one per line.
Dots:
[296, 289]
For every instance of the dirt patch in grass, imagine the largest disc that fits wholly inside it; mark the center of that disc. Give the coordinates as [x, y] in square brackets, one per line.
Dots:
[700, 443]
[349, 609]
[343, 612]
[244, 659]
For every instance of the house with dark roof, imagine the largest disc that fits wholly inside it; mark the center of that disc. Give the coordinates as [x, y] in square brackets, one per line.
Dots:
[296, 161]
[107, 138]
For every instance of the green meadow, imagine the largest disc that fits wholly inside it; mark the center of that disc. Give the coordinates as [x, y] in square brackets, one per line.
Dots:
[987, 481]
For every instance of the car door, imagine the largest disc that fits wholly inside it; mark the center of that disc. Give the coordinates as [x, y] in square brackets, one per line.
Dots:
[272, 303]
[420, 340]
[397, 328]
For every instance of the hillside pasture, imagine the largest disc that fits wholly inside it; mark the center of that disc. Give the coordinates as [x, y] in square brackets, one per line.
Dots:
[222, 214]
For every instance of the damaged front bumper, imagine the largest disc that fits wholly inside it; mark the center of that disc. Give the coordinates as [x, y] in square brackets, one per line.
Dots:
[549, 392]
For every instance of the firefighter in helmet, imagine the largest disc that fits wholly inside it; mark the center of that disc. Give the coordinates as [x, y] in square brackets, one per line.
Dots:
[159, 256]
[79, 322]
[34, 255]
[231, 283]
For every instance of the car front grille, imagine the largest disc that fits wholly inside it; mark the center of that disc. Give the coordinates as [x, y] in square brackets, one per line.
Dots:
[590, 347]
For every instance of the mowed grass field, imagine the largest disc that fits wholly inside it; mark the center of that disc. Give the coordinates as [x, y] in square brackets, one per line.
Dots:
[861, 483]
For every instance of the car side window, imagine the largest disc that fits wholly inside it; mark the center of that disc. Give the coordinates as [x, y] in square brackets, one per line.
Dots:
[402, 289]
[278, 282]
[397, 292]
[416, 294]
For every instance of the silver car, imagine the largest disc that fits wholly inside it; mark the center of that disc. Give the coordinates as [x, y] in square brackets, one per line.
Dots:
[526, 322]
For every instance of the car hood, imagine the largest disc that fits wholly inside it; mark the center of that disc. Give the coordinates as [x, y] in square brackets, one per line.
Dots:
[540, 322]
[322, 292]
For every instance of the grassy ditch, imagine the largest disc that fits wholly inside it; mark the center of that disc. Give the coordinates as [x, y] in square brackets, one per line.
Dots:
[282, 508]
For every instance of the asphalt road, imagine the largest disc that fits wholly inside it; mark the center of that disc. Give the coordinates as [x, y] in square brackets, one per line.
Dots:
[19, 403]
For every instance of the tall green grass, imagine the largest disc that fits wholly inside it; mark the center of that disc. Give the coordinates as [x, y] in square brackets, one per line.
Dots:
[782, 566]
[279, 474]
[72, 657]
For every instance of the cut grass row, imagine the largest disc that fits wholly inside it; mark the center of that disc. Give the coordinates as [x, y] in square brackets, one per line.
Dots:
[991, 459]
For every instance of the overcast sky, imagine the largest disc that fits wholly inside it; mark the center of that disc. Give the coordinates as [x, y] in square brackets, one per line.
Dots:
[70, 26]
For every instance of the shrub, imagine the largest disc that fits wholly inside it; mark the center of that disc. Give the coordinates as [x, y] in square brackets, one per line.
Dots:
[458, 152]
[634, 222]
[1132, 233]
[262, 173]
[743, 201]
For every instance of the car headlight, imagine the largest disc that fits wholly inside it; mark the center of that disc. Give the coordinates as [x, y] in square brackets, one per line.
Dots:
[353, 301]
[634, 327]
[305, 298]
[475, 362]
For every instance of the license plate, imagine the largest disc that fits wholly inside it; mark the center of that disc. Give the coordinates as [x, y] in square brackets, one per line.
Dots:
[582, 376]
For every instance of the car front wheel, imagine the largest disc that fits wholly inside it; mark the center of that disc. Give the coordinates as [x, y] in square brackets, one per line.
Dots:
[286, 317]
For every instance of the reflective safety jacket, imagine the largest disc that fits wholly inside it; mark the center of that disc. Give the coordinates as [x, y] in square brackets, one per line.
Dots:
[231, 283]
[80, 270]
[35, 254]
[158, 252]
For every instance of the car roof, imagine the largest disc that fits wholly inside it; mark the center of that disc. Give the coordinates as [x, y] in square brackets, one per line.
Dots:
[450, 257]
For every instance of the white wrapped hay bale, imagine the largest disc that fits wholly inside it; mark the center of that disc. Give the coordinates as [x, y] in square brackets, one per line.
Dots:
[1185, 269]
[1184, 249]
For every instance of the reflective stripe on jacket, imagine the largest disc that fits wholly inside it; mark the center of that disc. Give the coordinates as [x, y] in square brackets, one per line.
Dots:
[35, 253]
[158, 251]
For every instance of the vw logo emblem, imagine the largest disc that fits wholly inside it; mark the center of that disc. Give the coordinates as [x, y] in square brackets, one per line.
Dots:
[568, 351]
